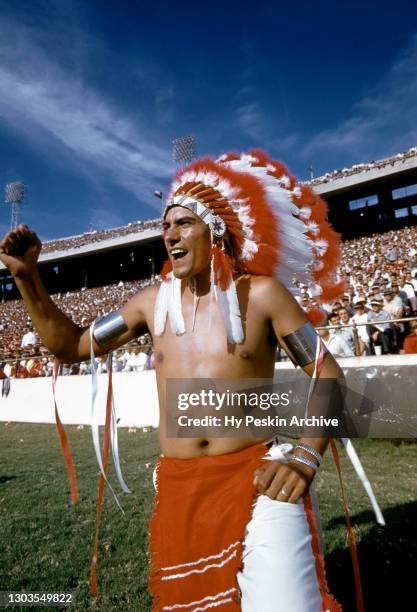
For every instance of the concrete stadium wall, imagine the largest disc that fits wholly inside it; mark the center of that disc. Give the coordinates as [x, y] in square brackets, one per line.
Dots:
[31, 400]
[393, 380]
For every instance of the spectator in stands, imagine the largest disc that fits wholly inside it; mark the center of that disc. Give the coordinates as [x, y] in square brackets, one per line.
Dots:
[408, 289]
[410, 342]
[135, 360]
[346, 304]
[360, 317]
[117, 363]
[22, 371]
[394, 307]
[335, 343]
[347, 332]
[381, 334]
[396, 311]
[29, 338]
[33, 367]
[84, 368]
[400, 295]
[412, 281]
[46, 369]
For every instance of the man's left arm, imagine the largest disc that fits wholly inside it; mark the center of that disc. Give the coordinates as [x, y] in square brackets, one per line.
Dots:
[290, 481]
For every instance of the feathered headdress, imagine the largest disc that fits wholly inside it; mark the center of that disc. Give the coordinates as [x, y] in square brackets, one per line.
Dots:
[262, 221]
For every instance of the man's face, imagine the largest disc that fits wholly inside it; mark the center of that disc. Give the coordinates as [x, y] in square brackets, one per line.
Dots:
[187, 241]
[344, 315]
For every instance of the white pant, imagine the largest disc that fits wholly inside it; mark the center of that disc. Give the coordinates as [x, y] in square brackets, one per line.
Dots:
[279, 572]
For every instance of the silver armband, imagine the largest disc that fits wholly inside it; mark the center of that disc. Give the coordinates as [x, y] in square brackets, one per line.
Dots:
[108, 328]
[303, 344]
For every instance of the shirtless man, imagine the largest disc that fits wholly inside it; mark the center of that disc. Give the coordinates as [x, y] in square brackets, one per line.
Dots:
[270, 313]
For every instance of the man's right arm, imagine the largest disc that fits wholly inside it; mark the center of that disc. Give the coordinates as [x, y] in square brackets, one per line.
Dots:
[19, 251]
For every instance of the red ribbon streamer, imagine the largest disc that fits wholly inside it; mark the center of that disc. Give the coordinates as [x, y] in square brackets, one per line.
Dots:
[360, 607]
[64, 440]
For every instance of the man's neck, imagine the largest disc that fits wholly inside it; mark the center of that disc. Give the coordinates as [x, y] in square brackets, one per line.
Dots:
[199, 285]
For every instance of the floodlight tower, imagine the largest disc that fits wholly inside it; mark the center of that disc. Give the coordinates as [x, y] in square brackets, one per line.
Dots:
[184, 150]
[14, 194]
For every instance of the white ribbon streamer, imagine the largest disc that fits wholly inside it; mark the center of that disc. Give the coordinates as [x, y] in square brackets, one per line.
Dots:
[95, 416]
[114, 438]
[351, 453]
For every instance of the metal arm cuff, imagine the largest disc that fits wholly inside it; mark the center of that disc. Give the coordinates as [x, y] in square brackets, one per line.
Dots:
[303, 344]
[108, 328]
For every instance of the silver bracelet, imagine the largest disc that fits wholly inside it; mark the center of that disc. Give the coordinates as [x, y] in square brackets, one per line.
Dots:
[304, 461]
[311, 450]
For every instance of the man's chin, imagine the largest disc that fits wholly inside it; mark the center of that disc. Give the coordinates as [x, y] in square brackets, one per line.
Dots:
[181, 273]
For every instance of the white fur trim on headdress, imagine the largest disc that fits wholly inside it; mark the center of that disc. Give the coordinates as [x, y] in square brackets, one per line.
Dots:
[229, 308]
[168, 303]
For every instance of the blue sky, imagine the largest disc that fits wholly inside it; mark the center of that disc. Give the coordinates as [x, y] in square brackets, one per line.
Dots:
[92, 92]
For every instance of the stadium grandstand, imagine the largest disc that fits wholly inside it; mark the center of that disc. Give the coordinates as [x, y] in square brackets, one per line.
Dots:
[373, 206]
[375, 197]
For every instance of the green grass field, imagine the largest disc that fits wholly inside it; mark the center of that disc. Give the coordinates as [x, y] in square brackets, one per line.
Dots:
[46, 544]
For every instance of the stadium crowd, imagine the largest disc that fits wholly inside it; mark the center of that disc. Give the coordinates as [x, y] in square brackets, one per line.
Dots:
[74, 242]
[357, 168]
[381, 273]
[21, 353]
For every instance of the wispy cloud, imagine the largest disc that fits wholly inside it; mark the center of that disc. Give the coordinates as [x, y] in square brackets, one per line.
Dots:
[48, 101]
[382, 122]
[263, 129]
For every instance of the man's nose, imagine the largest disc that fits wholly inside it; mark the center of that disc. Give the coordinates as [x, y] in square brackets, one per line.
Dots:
[172, 235]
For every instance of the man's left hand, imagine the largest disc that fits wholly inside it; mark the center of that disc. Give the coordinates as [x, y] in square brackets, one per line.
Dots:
[285, 482]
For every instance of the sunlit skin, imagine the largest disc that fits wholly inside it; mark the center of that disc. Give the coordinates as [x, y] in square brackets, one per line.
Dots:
[268, 312]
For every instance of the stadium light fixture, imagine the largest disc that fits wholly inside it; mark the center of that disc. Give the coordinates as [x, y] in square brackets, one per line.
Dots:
[184, 149]
[14, 195]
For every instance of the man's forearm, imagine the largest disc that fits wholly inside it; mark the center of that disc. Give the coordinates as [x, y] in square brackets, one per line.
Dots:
[326, 401]
[57, 331]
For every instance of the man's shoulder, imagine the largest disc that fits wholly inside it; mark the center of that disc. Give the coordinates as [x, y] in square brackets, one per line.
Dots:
[269, 296]
[141, 303]
[263, 285]
[147, 294]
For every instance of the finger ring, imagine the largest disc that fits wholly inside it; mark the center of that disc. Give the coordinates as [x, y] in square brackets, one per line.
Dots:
[284, 492]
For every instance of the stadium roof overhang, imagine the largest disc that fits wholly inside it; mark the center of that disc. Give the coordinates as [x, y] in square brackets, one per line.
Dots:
[369, 175]
[99, 247]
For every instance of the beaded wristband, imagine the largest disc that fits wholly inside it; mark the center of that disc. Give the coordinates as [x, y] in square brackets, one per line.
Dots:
[304, 461]
[311, 450]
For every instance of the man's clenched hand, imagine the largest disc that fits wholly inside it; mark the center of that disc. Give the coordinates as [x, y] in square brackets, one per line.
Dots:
[19, 251]
[285, 482]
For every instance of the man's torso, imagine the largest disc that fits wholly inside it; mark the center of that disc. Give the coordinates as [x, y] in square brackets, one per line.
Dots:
[204, 352]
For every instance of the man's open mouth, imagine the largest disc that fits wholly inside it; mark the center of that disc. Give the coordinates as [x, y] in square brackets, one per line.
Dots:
[178, 253]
